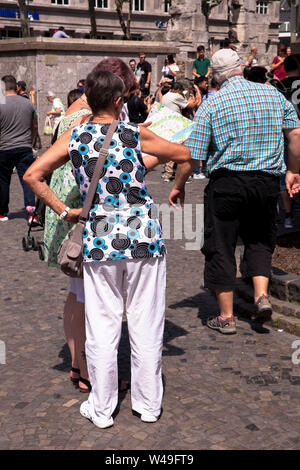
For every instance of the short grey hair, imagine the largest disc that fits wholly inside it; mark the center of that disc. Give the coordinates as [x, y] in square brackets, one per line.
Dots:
[222, 77]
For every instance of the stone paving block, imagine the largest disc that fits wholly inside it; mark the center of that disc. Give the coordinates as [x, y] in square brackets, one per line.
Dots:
[215, 385]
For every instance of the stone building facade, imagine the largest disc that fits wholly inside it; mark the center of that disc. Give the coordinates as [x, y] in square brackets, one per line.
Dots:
[183, 25]
[243, 22]
[148, 17]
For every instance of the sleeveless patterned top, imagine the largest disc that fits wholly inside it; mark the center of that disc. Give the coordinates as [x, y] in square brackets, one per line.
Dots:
[123, 221]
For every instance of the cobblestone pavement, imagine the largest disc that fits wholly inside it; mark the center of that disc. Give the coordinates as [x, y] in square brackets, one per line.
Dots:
[236, 392]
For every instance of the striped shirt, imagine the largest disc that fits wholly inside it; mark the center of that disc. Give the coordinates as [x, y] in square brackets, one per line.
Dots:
[240, 128]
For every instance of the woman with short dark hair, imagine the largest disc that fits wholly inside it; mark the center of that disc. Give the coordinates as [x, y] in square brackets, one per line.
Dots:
[56, 231]
[73, 96]
[123, 247]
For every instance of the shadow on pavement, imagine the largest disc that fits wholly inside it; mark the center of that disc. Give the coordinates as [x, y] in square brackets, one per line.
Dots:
[65, 355]
[171, 331]
[207, 306]
[21, 214]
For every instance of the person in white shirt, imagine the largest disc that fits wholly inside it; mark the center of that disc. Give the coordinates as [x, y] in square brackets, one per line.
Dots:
[170, 69]
[57, 110]
[175, 100]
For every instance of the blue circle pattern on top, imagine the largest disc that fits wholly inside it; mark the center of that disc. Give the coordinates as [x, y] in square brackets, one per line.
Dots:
[121, 224]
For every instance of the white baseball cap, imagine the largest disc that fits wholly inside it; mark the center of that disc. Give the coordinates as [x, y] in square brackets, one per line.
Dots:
[51, 94]
[224, 61]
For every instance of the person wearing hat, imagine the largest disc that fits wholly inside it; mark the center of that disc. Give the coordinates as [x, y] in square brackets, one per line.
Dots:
[240, 133]
[57, 110]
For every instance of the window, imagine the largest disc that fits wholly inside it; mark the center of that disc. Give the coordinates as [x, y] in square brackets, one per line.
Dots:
[285, 27]
[60, 2]
[167, 5]
[262, 8]
[138, 5]
[101, 3]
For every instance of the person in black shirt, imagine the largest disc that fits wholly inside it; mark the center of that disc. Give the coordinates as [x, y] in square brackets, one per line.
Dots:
[290, 86]
[138, 108]
[146, 69]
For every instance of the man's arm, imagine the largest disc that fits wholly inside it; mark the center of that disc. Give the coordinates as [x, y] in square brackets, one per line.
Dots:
[32, 95]
[147, 84]
[249, 61]
[293, 167]
[198, 143]
[198, 96]
[208, 72]
[34, 130]
[183, 171]
[195, 73]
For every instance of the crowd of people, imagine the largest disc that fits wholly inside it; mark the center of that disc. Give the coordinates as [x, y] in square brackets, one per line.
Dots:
[246, 139]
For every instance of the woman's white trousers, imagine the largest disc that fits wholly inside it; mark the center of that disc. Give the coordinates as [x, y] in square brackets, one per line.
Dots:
[143, 282]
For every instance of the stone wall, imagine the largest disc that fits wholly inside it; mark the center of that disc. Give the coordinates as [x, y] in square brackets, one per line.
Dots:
[58, 64]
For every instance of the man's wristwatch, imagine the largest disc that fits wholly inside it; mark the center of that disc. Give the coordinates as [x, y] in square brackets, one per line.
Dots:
[64, 213]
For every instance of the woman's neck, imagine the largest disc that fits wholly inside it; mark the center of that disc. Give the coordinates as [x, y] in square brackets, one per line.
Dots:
[104, 117]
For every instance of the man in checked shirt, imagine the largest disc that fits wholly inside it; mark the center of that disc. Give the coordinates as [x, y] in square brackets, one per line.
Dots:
[240, 133]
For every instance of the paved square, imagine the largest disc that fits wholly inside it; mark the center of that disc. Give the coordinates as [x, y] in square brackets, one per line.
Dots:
[236, 392]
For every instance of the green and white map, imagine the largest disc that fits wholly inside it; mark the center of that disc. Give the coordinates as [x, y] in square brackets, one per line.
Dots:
[170, 125]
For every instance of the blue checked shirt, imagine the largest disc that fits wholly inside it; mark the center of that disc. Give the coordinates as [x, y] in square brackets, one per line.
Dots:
[240, 128]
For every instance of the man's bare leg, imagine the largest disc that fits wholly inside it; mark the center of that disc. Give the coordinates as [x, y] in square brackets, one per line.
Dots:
[260, 284]
[225, 301]
[225, 322]
[262, 303]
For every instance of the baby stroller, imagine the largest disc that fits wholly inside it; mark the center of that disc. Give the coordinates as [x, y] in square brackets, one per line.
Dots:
[37, 223]
[38, 220]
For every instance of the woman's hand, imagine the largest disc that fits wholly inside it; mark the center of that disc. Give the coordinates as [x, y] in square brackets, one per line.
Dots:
[73, 215]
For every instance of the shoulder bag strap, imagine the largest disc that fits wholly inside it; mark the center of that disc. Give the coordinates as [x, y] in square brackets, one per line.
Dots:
[97, 172]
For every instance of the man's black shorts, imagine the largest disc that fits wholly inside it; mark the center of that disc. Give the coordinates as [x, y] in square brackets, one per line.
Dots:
[239, 204]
